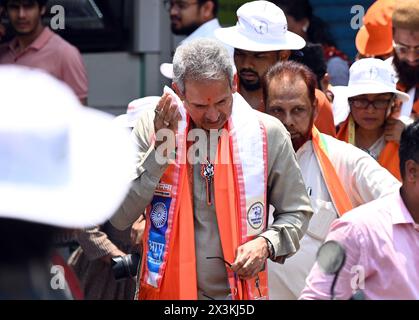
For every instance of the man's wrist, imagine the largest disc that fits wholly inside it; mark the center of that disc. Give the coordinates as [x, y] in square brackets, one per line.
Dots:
[271, 249]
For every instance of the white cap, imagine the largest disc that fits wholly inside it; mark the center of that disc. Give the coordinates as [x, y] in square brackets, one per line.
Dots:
[166, 69]
[340, 104]
[261, 26]
[370, 76]
[135, 109]
[61, 164]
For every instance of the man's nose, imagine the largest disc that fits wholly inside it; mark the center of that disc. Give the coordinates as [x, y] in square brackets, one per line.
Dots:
[287, 120]
[22, 12]
[412, 57]
[247, 62]
[212, 114]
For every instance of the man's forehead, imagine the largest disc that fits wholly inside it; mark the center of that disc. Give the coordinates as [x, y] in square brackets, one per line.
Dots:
[21, 2]
[410, 37]
[242, 51]
[287, 81]
[287, 88]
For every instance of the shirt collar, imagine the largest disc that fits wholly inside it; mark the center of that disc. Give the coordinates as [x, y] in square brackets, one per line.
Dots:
[37, 44]
[306, 147]
[206, 30]
[401, 215]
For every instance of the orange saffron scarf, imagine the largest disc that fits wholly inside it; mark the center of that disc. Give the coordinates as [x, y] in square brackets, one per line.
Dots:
[169, 262]
[389, 156]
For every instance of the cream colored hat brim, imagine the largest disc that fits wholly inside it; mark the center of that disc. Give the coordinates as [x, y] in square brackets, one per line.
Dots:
[369, 88]
[166, 69]
[232, 37]
[340, 104]
[101, 157]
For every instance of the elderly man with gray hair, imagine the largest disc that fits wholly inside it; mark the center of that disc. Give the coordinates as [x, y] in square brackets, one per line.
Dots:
[208, 168]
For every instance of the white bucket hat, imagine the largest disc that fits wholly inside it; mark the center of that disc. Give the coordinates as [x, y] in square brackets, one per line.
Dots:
[340, 104]
[369, 76]
[135, 109]
[261, 26]
[166, 69]
[61, 164]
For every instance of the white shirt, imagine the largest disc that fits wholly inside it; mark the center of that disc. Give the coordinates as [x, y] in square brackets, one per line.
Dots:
[407, 106]
[363, 179]
[206, 30]
[376, 148]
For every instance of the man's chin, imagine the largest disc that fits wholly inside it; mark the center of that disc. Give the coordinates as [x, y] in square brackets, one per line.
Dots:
[179, 30]
[250, 86]
[408, 73]
[298, 142]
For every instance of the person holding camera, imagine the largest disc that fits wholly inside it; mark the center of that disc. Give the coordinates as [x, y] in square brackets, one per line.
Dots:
[48, 164]
[106, 262]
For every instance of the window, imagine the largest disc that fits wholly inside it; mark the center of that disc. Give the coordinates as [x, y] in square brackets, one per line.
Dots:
[95, 25]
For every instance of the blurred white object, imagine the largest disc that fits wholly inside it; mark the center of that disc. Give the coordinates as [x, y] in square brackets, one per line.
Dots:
[61, 163]
[340, 104]
[135, 109]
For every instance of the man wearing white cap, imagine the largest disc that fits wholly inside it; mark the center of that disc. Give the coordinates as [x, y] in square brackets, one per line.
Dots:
[260, 39]
[374, 101]
[54, 171]
[206, 235]
[338, 175]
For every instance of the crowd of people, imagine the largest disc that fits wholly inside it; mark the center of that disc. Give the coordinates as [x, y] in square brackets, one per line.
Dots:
[227, 185]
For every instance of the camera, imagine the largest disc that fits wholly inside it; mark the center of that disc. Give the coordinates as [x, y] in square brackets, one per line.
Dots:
[125, 266]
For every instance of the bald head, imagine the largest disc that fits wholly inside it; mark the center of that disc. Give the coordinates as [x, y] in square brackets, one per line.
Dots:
[289, 95]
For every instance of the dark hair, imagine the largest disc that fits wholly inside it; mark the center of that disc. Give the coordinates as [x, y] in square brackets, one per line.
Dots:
[317, 31]
[215, 2]
[312, 56]
[41, 3]
[298, 9]
[22, 241]
[409, 145]
[292, 70]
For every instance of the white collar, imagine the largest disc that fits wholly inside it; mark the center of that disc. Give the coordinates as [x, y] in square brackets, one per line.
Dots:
[206, 30]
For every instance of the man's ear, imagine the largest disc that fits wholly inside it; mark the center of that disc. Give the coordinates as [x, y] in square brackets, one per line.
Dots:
[235, 83]
[284, 55]
[315, 107]
[207, 10]
[177, 91]
[43, 10]
[412, 171]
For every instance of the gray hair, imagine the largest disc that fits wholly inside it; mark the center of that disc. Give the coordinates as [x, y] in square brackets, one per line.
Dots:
[202, 59]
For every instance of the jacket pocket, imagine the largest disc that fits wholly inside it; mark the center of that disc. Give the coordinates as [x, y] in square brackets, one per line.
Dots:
[324, 215]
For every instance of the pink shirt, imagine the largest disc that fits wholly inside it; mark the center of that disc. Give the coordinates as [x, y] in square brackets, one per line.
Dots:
[53, 54]
[382, 248]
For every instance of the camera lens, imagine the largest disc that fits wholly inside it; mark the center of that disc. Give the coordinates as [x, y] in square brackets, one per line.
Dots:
[125, 266]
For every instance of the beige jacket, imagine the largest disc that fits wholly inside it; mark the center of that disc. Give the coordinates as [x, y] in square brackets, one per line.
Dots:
[286, 192]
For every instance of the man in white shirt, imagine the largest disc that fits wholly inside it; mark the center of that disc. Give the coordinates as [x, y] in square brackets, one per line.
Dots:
[192, 19]
[338, 176]
[196, 19]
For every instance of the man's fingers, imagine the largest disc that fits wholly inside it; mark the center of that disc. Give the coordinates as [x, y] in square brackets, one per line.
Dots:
[164, 113]
[172, 114]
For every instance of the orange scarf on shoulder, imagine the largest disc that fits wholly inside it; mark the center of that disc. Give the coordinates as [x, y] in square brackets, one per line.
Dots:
[389, 156]
[333, 183]
[415, 109]
[169, 261]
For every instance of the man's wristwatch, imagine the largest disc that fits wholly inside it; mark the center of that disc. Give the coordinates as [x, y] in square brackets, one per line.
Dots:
[271, 249]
